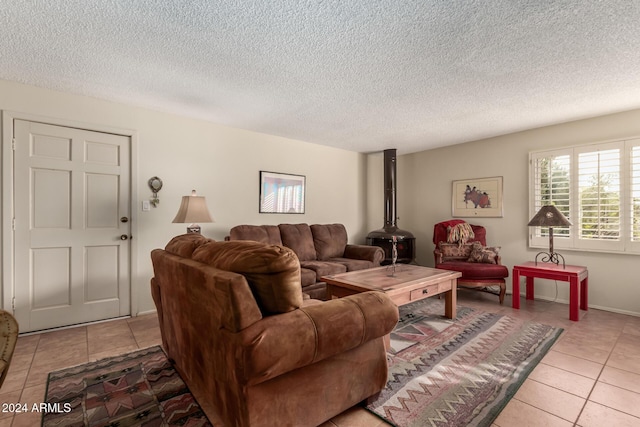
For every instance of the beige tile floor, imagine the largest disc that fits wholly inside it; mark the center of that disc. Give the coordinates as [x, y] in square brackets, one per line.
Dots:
[591, 376]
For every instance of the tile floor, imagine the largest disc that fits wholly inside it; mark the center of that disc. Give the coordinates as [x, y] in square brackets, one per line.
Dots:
[591, 376]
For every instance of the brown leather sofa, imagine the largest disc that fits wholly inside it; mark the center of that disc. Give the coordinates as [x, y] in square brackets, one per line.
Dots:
[251, 350]
[321, 248]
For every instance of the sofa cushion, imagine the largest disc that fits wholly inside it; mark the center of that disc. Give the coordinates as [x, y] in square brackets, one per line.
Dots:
[329, 240]
[185, 244]
[307, 277]
[273, 272]
[299, 238]
[471, 270]
[317, 291]
[324, 268]
[259, 233]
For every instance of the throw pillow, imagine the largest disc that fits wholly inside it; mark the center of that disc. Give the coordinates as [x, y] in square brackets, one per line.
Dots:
[481, 254]
[460, 233]
[454, 250]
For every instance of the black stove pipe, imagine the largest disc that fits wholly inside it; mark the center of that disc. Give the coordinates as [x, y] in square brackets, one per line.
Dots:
[384, 237]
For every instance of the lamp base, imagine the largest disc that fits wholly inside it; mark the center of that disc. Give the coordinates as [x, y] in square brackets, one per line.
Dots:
[552, 257]
[194, 228]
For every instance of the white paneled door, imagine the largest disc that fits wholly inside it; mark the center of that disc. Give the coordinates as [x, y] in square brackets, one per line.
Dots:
[72, 229]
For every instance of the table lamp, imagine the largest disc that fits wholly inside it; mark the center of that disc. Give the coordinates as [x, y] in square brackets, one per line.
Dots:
[549, 216]
[193, 209]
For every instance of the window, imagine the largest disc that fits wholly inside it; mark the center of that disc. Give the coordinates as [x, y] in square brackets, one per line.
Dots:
[551, 186]
[599, 194]
[597, 187]
[635, 193]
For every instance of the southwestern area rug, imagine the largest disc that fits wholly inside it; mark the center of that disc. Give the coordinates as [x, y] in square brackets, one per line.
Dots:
[442, 372]
[135, 389]
[457, 373]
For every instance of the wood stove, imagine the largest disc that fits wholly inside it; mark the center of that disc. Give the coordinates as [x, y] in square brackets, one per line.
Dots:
[385, 237]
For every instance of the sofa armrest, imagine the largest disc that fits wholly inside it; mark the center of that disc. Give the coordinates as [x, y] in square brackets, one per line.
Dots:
[281, 343]
[157, 299]
[375, 254]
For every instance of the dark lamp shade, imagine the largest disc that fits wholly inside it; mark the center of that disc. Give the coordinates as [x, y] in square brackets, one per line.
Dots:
[549, 216]
[193, 209]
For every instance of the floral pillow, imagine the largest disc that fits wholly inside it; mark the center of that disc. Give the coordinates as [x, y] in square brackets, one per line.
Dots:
[481, 254]
[454, 250]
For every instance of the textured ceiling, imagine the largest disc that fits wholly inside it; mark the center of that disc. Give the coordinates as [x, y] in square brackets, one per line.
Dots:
[363, 75]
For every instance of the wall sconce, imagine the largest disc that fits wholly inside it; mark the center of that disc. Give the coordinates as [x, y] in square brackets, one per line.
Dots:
[550, 216]
[155, 184]
[193, 209]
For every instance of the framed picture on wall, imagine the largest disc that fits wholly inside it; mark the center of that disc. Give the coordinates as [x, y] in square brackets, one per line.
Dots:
[479, 197]
[282, 193]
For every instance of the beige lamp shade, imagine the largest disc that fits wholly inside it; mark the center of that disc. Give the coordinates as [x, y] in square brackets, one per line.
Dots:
[193, 209]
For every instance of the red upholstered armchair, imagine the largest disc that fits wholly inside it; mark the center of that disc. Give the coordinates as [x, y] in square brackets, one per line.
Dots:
[480, 266]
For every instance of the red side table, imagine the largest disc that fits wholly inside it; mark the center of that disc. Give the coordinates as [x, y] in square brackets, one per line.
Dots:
[574, 274]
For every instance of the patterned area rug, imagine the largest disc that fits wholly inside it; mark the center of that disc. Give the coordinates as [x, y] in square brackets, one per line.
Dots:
[457, 373]
[136, 389]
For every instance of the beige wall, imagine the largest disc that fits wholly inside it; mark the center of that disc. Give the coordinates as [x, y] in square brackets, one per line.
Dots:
[221, 163]
[424, 198]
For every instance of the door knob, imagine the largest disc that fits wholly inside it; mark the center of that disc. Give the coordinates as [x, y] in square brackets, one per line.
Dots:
[124, 219]
[123, 237]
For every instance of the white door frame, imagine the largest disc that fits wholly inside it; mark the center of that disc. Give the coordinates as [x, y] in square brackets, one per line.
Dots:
[7, 291]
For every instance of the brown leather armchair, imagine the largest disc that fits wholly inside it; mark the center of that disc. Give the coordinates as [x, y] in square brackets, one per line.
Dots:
[8, 340]
[480, 266]
[251, 350]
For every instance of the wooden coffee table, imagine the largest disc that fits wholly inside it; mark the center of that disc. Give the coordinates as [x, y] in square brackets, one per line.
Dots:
[408, 283]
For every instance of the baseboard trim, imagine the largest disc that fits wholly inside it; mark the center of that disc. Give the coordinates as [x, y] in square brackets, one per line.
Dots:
[596, 307]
